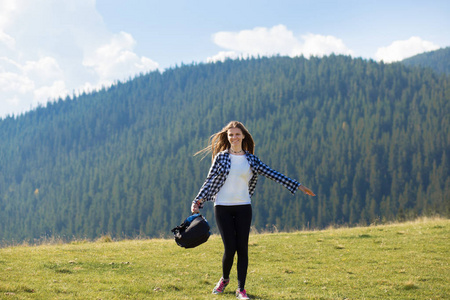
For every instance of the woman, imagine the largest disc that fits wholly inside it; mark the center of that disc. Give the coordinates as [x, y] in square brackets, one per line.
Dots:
[230, 184]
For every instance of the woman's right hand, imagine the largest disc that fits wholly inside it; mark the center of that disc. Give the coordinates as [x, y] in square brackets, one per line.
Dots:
[194, 208]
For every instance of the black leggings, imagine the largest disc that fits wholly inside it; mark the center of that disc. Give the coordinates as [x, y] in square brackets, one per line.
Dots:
[234, 226]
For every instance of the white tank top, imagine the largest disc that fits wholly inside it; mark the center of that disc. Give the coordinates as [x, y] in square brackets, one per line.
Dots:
[235, 189]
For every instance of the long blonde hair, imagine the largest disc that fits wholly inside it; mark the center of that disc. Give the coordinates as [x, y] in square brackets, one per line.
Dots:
[219, 141]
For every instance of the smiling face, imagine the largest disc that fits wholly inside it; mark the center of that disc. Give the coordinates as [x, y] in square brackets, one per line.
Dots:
[235, 137]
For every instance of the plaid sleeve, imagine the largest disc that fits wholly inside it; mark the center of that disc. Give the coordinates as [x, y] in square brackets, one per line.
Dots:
[215, 179]
[291, 184]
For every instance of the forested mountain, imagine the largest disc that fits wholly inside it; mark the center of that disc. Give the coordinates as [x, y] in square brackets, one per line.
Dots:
[371, 139]
[438, 60]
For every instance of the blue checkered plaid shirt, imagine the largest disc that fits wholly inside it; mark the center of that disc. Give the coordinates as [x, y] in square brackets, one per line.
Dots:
[220, 169]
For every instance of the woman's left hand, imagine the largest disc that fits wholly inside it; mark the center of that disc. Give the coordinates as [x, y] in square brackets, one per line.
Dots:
[305, 190]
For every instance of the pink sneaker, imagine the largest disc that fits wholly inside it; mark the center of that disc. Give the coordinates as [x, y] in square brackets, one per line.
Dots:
[220, 286]
[241, 294]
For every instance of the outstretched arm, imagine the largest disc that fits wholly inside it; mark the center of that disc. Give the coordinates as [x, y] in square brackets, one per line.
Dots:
[291, 184]
[305, 190]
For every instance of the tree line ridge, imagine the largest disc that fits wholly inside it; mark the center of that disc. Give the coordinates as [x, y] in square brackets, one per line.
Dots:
[371, 139]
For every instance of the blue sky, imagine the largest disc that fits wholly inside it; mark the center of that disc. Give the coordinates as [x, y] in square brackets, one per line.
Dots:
[53, 48]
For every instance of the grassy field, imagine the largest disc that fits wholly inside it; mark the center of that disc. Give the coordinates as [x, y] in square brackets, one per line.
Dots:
[397, 261]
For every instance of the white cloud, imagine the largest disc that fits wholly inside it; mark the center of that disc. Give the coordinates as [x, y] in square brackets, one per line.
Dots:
[45, 69]
[7, 11]
[222, 56]
[319, 45]
[47, 49]
[260, 40]
[53, 91]
[276, 40]
[13, 82]
[24, 85]
[400, 50]
[13, 101]
[7, 40]
[116, 60]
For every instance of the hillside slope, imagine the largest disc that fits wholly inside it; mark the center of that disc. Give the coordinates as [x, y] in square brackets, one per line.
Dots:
[372, 140]
[438, 60]
[398, 261]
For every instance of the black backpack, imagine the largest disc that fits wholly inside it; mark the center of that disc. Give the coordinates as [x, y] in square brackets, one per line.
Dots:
[193, 232]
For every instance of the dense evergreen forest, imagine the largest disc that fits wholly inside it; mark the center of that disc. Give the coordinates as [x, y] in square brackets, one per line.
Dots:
[370, 139]
[438, 60]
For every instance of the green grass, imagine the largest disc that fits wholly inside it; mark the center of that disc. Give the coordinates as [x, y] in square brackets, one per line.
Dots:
[398, 261]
